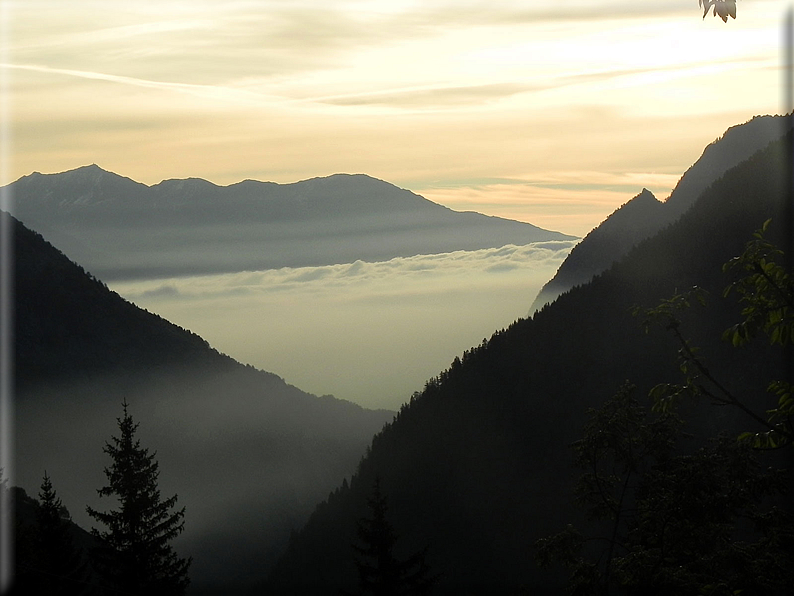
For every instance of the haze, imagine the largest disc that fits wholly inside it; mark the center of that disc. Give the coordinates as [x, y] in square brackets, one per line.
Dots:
[372, 333]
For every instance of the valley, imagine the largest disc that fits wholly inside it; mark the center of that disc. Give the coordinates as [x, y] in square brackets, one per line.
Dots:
[275, 478]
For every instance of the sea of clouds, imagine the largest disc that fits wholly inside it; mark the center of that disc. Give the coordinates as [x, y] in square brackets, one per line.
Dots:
[372, 333]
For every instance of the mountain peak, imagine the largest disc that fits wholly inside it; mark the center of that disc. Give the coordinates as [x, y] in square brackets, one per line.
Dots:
[737, 144]
[644, 215]
[87, 170]
[632, 213]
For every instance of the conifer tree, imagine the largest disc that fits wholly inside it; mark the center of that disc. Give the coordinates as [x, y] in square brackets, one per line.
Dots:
[136, 556]
[380, 572]
[60, 565]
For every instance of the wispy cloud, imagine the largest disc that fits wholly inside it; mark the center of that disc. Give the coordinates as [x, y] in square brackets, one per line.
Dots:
[439, 95]
[430, 96]
[211, 91]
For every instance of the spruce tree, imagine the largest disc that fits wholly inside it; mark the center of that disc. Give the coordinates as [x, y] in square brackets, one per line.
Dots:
[136, 556]
[380, 572]
[61, 568]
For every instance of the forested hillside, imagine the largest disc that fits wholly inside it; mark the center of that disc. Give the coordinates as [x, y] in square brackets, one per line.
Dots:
[477, 467]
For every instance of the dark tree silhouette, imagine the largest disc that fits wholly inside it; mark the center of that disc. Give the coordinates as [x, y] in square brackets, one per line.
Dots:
[708, 522]
[671, 523]
[48, 559]
[136, 555]
[61, 568]
[380, 572]
[766, 292]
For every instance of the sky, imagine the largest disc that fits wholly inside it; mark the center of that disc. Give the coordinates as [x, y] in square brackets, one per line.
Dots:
[554, 113]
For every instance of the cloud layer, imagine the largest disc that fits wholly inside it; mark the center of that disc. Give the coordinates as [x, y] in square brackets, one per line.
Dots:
[369, 332]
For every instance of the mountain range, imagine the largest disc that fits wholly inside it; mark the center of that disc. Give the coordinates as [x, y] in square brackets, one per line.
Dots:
[121, 229]
[644, 215]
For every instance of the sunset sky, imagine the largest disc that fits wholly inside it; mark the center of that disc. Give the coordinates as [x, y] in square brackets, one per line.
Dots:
[549, 112]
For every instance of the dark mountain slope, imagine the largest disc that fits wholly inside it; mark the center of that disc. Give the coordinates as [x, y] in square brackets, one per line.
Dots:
[118, 228]
[477, 466]
[737, 144]
[636, 220]
[27, 574]
[69, 324]
[248, 454]
[642, 217]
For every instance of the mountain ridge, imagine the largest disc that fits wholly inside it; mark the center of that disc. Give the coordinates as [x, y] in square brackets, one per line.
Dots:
[617, 234]
[122, 229]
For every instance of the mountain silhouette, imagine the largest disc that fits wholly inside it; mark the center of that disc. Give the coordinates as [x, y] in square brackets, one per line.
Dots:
[642, 217]
[248, 454]
[477, 466]
[118, 228]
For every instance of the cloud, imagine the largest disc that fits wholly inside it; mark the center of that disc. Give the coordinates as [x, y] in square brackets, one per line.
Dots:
[263, 45]
[468, 95]
[483, 12]
[369, 332]
[164, 291]
[447, 96]
[210, 91]
[353, 279]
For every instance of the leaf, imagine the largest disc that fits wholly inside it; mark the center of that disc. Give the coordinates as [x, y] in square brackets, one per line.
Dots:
[721, 10]
[765, 225]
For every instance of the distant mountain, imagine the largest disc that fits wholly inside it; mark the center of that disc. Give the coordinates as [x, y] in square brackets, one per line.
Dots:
[248, 454]
[477, 467]
[118, 228]
[643, 216]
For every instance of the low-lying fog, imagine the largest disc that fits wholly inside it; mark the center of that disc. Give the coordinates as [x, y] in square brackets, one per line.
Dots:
[372, 333]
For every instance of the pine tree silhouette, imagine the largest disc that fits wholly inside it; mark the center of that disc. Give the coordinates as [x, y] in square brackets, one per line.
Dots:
[61, 569]
[136, 556]
[380, 572]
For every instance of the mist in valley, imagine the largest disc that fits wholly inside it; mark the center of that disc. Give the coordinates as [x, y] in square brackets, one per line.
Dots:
[372, 333]
[249, 463]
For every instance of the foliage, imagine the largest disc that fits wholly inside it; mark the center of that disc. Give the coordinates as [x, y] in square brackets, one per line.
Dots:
[722, 8]
[668, 521]
[48, 560]
[136, 555]
[766, 291]
[380, 572]
[688, 523]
